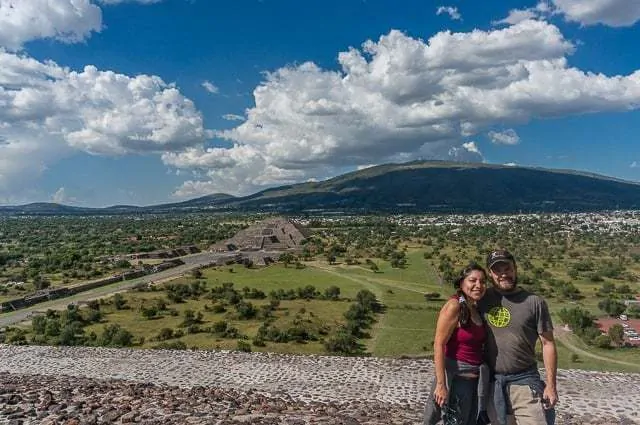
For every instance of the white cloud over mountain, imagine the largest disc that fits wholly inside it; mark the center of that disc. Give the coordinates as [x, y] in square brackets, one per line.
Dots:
[401, 98]
[397, 98]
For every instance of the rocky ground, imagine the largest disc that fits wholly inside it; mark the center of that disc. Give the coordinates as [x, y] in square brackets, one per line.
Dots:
[48, 385]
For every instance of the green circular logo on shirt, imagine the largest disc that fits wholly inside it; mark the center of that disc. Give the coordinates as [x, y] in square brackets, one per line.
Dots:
[499, 317]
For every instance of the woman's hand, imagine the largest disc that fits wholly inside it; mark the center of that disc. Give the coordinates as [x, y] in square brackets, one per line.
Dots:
[441, 394]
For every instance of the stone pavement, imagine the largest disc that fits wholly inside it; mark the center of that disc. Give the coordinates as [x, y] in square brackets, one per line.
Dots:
[305, 379]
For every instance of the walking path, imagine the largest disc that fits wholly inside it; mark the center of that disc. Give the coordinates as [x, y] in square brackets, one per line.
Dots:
[304, 378]
[563, 338]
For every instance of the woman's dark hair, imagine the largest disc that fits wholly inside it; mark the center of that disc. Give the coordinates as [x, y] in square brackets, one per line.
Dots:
[465, 315]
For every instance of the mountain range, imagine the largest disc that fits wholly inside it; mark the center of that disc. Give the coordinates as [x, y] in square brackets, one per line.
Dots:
[413, 187]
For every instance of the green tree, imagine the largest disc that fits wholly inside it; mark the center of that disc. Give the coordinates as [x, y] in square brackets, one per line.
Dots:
[39, 324]
[612, 307]
[53, 327]
[119, 302]
[41, 283]
[332, 293]
[71, 334]
[577, 318]
[602, 341]
[165, 334]
[616, 333]
[344, 343]
[634, 311]
[191, 318]
[608, 288]
[286, 258]
[114, 335]
[149, 312]
[368, 300]
[246, 310]
[243, 346]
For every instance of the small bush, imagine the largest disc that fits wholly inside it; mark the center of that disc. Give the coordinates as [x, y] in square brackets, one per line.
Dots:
[173, 345]
[243, 346]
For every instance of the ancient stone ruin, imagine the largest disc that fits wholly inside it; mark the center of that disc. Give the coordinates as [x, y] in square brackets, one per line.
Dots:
[275, 234]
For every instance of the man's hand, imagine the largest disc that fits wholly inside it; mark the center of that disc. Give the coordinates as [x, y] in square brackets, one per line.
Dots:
[549, 397]
[550, 358]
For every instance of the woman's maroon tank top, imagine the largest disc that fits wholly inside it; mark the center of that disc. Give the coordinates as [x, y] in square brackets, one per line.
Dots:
[466, 344]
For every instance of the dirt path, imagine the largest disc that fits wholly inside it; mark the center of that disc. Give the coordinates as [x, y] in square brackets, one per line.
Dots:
[372, 343]
[562, 336]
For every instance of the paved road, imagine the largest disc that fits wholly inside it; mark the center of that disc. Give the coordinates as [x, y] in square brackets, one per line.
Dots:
[191, 262]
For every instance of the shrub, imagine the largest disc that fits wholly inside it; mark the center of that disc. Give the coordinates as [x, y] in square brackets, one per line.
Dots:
[218, 308]
[115, 336]
[219, 327]
[602, 341]
[332, 293]
[246, 310]
[343, 343]
[119, 302]
[432, 296]
[243, 346]
[173, 345]
[164, 334]
[149, 312]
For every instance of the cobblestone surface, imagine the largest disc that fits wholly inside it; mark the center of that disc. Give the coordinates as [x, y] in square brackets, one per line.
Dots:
[373, 388]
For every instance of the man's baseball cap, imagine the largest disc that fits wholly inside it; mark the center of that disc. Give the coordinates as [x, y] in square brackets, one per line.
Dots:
[499, 256]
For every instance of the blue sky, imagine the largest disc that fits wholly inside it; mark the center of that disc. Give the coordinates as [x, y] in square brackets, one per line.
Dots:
[149, 101]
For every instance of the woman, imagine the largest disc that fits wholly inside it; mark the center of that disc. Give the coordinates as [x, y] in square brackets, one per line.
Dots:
[461, 379]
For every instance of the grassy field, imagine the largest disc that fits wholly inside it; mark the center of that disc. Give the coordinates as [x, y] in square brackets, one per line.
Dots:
[405, 329]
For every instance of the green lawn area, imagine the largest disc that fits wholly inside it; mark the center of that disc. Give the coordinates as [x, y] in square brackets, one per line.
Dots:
[406, 327]
[625, 355]
[277, 277]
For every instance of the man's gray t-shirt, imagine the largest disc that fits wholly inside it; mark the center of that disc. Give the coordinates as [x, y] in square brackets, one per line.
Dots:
[515, 321]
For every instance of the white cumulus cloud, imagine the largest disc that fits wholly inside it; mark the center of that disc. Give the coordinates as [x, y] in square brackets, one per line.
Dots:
[49, 111]
[506, 137]
[451, 11]
[210, 87]
[62, 197]
[518, 15]
[69, 21]
[613, 13]
[634, 164]
[233, 117]
[399, 99]
[471, 147]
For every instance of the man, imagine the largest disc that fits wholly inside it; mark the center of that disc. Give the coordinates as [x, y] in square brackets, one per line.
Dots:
[516, 319]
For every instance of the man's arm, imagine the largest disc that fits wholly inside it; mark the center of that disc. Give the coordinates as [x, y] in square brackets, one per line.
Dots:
[550, 358]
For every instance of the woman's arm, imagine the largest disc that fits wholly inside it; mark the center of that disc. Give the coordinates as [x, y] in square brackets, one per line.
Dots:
[447, 322]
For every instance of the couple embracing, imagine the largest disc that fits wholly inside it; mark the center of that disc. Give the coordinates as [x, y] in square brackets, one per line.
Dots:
[484, 351]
